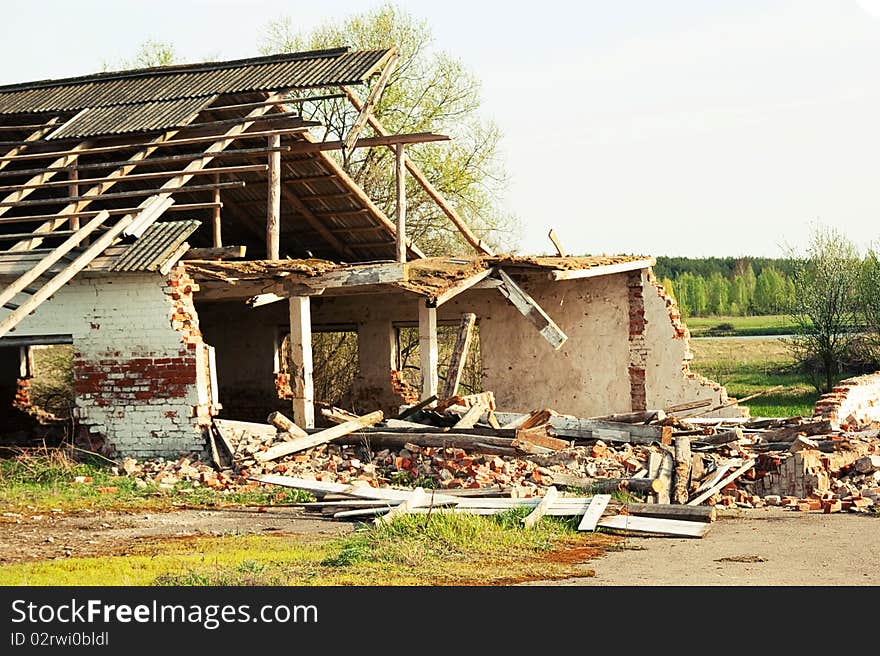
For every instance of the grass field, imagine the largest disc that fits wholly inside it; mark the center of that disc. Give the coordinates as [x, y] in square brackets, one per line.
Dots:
[747, 366]
[776, 324]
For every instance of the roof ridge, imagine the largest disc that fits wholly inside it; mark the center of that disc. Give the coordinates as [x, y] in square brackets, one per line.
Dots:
[157, 71]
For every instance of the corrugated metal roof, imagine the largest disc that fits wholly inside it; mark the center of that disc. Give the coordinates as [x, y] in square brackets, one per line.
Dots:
[121, 119]
[289, 71]
[155, 246]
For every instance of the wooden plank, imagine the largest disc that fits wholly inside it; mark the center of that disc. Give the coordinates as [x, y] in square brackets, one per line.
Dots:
[354, 275]
[301, 374]
[422, 179]
[215, 253]
[216, 220]
[273, 202]
[723, 482]
[37, 135]
[639, 417]
[540, 510]
[313, 440]
[594, 512]
[416, 499]
[370, 103]
[74, 171]
[640, 485]
[672, 511]
[400, 188]
[215, 455]
[559, 250]
[229, 427]
[530, 309]
[789, 434]
[21, 192]
[241, 134]
[414, 409]
[428, 351]
[459, 354]
[285, 425]
[359, 491]
[340, 416]
[672, 527]
[691, 405]
[462, 286]
[537, 436]
[223, 435]
[566, 426]
[604, 270]
[471, 417]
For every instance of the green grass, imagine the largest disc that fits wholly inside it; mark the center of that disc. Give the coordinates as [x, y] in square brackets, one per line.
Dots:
[748, 366]
[437, 549]
[776, 324]
[43, 479]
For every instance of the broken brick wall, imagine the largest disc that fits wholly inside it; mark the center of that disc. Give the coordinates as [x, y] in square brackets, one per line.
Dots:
[668, 377]
[141, 372]
[853, 403]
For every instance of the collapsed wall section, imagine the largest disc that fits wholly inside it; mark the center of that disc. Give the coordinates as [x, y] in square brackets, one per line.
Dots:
[141, 369]
[853, 403]
[668, 377]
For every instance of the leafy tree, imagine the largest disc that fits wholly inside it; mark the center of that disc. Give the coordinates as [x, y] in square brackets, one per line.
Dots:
[770, 292]
[699, 296]
[429, 90]
[825, 304]
[739, 296]
[718, 290]
[150, 53]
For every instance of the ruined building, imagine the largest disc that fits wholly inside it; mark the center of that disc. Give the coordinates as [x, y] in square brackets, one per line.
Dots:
[188, 232]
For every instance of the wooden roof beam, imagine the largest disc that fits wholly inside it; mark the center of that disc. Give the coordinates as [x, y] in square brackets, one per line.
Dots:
[419, 175]
[183, 207]
[140, 176]
[373, 98]
[47, 127]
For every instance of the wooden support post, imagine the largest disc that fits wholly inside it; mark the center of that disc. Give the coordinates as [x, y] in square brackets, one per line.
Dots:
[459, 354]
[215, 219]
[301, 361]
[401, 202]
[428, 349]
[273, 211]
[73, 190]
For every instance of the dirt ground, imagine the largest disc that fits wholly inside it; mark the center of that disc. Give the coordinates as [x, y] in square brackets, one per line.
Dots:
[48, 536]
[759, 547]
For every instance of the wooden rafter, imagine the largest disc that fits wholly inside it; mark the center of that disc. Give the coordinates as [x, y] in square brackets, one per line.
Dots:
[371, 101]
[35, 136]
[419, 175]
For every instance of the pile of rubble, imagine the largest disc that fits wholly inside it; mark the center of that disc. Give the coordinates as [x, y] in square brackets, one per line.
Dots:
[464, 448]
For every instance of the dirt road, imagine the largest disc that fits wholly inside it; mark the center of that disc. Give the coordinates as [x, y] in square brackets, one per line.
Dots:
[760, 547]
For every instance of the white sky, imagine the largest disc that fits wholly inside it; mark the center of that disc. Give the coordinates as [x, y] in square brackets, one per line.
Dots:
[682, 127]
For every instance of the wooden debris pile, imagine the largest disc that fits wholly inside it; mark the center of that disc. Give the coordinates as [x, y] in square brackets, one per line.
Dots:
[464, 446]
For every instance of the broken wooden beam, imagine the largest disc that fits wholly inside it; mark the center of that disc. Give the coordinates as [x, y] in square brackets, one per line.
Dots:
[640, 417]
[540, 510]
[725, 481]
[789, 433]
[459, 354]
[673, 527]
[568, 427]
[529, 308]
[285, 425]
[725, 437]
[215, 253]
[321, 437]
[527, 438]
[640, 485]
[594, 512]
[672, 511]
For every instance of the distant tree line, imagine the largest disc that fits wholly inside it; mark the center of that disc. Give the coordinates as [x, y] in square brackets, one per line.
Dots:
[728, 286]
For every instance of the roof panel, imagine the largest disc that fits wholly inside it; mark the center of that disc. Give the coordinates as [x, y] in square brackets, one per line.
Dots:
[289, 71]
[153, 248]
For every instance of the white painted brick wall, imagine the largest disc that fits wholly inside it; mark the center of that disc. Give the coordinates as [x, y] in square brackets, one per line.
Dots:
[122, 319]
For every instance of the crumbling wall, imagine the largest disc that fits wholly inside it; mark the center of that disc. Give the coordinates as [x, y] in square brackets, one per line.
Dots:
[668, 378]
[853, 403]
[141, 368]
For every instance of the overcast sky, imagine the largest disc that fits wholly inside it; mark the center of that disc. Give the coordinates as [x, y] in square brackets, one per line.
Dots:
[681, 127]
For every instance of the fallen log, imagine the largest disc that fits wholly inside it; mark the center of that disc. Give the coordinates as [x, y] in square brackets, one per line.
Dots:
[640, 417]
[725, 437]
[789, 433]
[683, 461]
[313, 440]
[598, 485]
[286, 425]
[672, 511]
